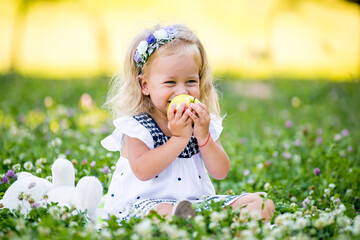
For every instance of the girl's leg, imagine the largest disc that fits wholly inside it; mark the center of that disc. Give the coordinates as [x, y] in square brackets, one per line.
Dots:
[164, 209]
[255, 202]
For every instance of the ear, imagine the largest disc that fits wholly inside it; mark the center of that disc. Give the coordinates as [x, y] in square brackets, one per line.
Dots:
[144, 84]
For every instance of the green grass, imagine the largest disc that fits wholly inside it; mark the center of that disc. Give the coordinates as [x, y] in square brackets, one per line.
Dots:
[275, 140]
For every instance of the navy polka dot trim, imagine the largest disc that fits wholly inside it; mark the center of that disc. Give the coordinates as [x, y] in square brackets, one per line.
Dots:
[160, 138]
[112, 195]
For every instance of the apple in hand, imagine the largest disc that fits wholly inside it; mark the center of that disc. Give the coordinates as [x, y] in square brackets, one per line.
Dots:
[180, 99]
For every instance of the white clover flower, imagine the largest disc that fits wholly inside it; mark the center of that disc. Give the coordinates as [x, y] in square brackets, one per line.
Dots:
[348, 192]
[332, 185]
[293, 205]
[302, 223]
[226, 233]
[54, 210]
[217, 216]
[255, 214]
[40, 162]
[142, 47]
[16, 167]
[38, 171]
[326, 192]
[337, 137]
[293, 199]
[105, 233]
[73, 224]
[199, 220]
[28, 166]
[247, 234]
[49, 178]
[356, 226]
[144, 228]
[7, 161]
[119, 232]
[343, 221]
[253, 225]
[297, 158]
[276, 233]
[160, 34]
[260, 166]
[246, 172]
[267, 186]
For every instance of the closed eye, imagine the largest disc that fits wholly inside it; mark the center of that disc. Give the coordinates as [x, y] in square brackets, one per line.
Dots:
[170, 82]
[192, 82]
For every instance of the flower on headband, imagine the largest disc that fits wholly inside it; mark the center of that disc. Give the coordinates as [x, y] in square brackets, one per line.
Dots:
[142, 47]
[155, 40]
[161, 34]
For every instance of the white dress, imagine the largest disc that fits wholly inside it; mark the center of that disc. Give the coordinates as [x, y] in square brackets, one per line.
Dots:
[185, 178]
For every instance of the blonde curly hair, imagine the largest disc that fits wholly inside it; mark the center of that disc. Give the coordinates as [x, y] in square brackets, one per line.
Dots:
[125, 97]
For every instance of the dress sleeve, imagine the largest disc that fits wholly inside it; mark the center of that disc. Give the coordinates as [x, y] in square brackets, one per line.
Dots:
[130, 127]
[215, 127]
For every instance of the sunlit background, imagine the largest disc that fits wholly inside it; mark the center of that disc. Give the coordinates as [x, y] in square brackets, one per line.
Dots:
[245, 38]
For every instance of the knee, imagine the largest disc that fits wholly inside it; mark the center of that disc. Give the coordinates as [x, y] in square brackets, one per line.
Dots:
[164, 208]
[267, 205]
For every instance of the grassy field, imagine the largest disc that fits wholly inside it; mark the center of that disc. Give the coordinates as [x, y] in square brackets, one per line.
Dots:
[297, 140]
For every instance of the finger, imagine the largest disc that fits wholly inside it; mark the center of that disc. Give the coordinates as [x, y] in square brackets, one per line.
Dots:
[192, 116]
[180, 110]
[202, 113]
[172, 112]
[204, 107]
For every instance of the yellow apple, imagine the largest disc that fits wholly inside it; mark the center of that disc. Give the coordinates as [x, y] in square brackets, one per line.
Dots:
[180, 99]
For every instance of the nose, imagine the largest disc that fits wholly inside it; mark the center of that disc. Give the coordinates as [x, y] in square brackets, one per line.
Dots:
[181, 89]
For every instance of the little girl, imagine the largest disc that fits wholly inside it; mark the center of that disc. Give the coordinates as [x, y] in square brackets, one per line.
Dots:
[165, 160]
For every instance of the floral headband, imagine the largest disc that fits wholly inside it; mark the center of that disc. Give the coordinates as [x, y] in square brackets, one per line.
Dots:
[153, 42]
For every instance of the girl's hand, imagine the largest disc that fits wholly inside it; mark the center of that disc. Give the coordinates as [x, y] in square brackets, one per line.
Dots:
[179, 123]
[200, 114]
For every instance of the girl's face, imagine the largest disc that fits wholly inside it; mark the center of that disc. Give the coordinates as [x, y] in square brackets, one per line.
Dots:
[170, 76]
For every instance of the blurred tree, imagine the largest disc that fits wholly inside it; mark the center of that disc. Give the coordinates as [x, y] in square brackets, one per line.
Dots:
[17, 37]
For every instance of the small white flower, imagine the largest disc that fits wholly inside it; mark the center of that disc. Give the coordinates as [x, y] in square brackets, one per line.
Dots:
[255, 214]
[28, 166]
[38, 171]
[142, 47]
[246, 172]
[267, 186]
[302, 223]
[293, 199]
[160, 34]
[337, 137]
[356, 226]
[260, 166]
[7, 161]
[332, 186]
[49, 178]
[144, 228]
[217, 216]
[40, 162]
[293, 205]
[16, 167]
[326, 192]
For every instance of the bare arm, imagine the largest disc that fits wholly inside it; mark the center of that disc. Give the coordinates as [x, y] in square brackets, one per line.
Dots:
[215, 158]
[147, 163]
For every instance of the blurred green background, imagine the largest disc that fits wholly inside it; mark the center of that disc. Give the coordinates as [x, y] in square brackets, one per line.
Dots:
[300, 39]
